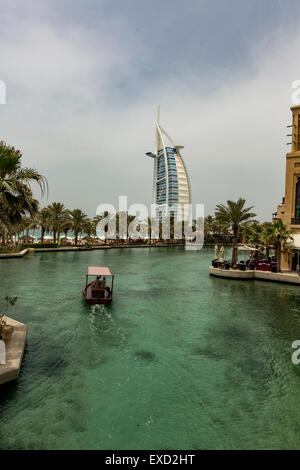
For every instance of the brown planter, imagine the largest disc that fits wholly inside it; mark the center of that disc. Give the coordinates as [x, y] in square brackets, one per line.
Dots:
[6, 332]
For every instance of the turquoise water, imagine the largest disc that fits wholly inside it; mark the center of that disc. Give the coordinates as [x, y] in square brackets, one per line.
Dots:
[179, 360]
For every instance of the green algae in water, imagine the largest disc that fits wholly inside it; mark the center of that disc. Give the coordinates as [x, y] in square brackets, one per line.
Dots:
[179, 360]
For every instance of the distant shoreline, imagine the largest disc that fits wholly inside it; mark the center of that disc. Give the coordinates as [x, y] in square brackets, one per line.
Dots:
[102, 247]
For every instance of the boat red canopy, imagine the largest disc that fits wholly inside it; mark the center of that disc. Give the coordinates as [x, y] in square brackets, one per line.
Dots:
[99, 271]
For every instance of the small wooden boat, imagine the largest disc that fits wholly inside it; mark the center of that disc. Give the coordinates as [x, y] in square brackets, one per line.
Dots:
[100, 290]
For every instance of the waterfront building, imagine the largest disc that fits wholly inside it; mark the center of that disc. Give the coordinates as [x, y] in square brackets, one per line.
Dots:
[171, 185]
[289, 210]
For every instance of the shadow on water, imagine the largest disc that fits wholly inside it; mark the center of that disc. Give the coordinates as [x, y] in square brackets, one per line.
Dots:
[8, 393]
[145, 356]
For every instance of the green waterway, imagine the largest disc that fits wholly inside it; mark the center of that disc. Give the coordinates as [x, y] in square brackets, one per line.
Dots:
[179, 360]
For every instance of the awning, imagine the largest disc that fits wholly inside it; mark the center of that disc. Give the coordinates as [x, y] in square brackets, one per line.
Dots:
[295, 243]
[99, 271]
[247, 248]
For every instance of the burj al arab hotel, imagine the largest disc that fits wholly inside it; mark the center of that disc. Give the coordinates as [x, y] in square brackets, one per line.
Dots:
[171, 185]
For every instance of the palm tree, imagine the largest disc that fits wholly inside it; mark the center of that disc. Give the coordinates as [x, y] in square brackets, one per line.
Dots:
[66, 225]
[221, 230]
[78, 221]
[28, 223]
[121, 226]
[268, 236]
[253, 235]
[98, 218]
[281, 235]
[5, 225]
[58, 215]
[43, 220]
[130, 220]
[235, 214]
[89, 229]
[209, 225]
[110, 217]
[16, 197]
[19, 228]
[149, 221]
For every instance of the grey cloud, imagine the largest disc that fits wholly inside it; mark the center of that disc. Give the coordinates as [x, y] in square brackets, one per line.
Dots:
[84, 79]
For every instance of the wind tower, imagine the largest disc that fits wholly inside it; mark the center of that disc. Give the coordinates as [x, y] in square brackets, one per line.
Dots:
[289, 210]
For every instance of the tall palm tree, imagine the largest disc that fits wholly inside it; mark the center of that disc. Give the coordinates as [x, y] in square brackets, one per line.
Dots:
[235, 214]
[28, 223]
[122, 222]
[268, 236]
[44, 221]
[209, 226]
[19, 228]
[109, 217]
[281, 235]
[78, 221]
[58, 214]
[66, 225]
[149, 221]
[89, 229]
[130, 219]
[253, 235]
[5, 225]
[98, 218]
[221, 230]
[16, 197]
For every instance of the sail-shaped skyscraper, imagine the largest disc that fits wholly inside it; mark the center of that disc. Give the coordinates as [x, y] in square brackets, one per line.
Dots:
[171, 185]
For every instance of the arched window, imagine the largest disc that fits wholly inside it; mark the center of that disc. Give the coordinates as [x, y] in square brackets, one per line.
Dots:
[297, 203]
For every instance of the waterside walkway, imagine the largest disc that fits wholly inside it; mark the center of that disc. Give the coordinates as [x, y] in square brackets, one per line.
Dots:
[14, 255]
[82, 248]
[287, 277]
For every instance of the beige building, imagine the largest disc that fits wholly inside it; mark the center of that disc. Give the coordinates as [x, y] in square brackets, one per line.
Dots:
[289, 210]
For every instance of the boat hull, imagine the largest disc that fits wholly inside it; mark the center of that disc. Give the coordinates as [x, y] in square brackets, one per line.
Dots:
[86, 293]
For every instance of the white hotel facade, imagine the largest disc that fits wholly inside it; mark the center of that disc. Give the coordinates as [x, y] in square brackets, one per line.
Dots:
[171, 184]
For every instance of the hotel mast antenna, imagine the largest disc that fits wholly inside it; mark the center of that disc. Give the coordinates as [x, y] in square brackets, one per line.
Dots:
[171, 184]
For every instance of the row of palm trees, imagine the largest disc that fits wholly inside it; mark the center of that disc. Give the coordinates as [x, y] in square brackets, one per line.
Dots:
[236, 223]
[19, 212]
[57, 219]
[268, 235]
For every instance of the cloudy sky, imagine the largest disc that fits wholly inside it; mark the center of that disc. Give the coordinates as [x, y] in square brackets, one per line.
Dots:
[84, 78]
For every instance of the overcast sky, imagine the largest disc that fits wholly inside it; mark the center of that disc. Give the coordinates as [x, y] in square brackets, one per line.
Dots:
[84, 78]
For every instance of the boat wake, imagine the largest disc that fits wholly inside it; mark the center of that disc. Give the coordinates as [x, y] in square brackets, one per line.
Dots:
[95, 309]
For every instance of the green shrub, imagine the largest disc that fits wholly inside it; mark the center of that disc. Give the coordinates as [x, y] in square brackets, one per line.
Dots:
[40, 245]
[10, 249]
